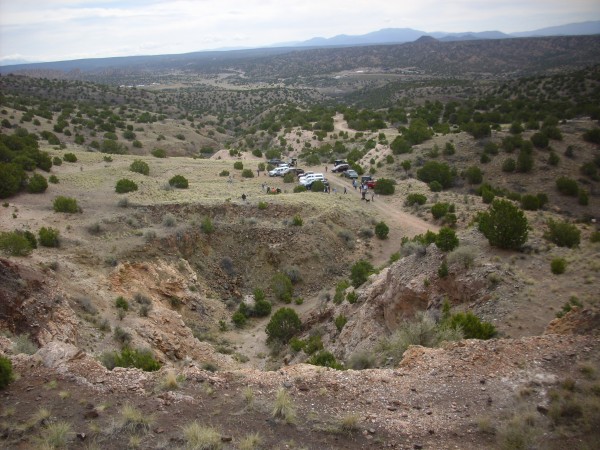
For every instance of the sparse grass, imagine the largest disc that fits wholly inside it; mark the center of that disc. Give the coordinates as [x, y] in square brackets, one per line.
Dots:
[170, 381]
[23, 344]
[40, 416]
[64, 395]
[57, 435]
[52, 384]
[486, 426]
[134, 420]
[199, 437]
[250, 442]
[516, 434]
[248, 394]
[349, 424]
[135, 441]
[284, 407]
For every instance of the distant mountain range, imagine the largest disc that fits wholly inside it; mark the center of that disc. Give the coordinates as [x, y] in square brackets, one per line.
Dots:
[217, 57]
[401, 35]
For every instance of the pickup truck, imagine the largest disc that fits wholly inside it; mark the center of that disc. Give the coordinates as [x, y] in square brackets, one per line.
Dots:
[369, 181]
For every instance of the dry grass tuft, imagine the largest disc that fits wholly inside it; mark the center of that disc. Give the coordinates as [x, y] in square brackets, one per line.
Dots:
[250, 442]
[284, 407]
[199, 437]
[132, 419]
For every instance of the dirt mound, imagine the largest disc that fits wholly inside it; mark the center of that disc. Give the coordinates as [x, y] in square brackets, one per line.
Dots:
[576, 321]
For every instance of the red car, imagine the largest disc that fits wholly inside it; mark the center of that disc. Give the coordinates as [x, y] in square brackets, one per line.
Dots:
[368, 179]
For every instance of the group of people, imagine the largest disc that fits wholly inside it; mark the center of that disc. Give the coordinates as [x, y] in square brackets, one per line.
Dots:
[363, 189]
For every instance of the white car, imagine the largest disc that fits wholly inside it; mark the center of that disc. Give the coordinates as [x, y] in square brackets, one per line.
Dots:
[311, 178]
[279, 171]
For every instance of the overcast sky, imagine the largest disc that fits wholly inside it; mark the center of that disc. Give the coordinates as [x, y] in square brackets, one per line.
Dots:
[51, 30]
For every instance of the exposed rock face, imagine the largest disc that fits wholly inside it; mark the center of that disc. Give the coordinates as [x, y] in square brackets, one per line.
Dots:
[576, 321]
[31, 302]
[396, 293]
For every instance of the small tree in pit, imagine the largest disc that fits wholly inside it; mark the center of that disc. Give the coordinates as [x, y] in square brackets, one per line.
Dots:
[284, 324]
[504, 225]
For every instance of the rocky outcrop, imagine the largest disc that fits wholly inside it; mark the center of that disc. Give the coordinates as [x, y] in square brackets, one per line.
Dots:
[576, 321]
[32, 303]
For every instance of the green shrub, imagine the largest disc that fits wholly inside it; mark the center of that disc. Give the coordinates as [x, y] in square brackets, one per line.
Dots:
[592, 135]
[595, 236]
[419, 199]
[471, 326]
[289, 178]
[139, 358]
[262, 205]
[159, 153]
[583, 199]
[125, 185]
[238, 165]
[248, 173]
[439, 210]
[382, 230]
[179, 181]
[297, 221]
[504, 225]
[140, 166]
[325, 359]
[239, 319]
[317, 186]
[14, 244]
[121, 303]
[360, 272]
[435, 186]
[340, 321]
[423, 330]
[509, 165]
[435, 171]
[207, 226]
[474, 175]
[49, 237]
[65, 204]
[558, 266]
[446, 239]
[12, 179]
[299, 188]
[282, 287]
[53, 179]
[224, 173]
[563, 233]
[385, 186]
[284, 324]
[443, 269]
[352, 297]
[262, 308]
[70, 157]
[37, 184]
[530, 202]
[567, 186]
[6, 372]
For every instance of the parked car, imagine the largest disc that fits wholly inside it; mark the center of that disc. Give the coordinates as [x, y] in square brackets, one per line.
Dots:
[369, 181]
[296, 171]
[305, 174]
[340, 168]
[350, 174]
[304, 181]
[279, 171]
[337, 162]
[274, 162]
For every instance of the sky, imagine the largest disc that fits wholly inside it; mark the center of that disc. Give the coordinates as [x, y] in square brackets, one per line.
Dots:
[55, 30]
